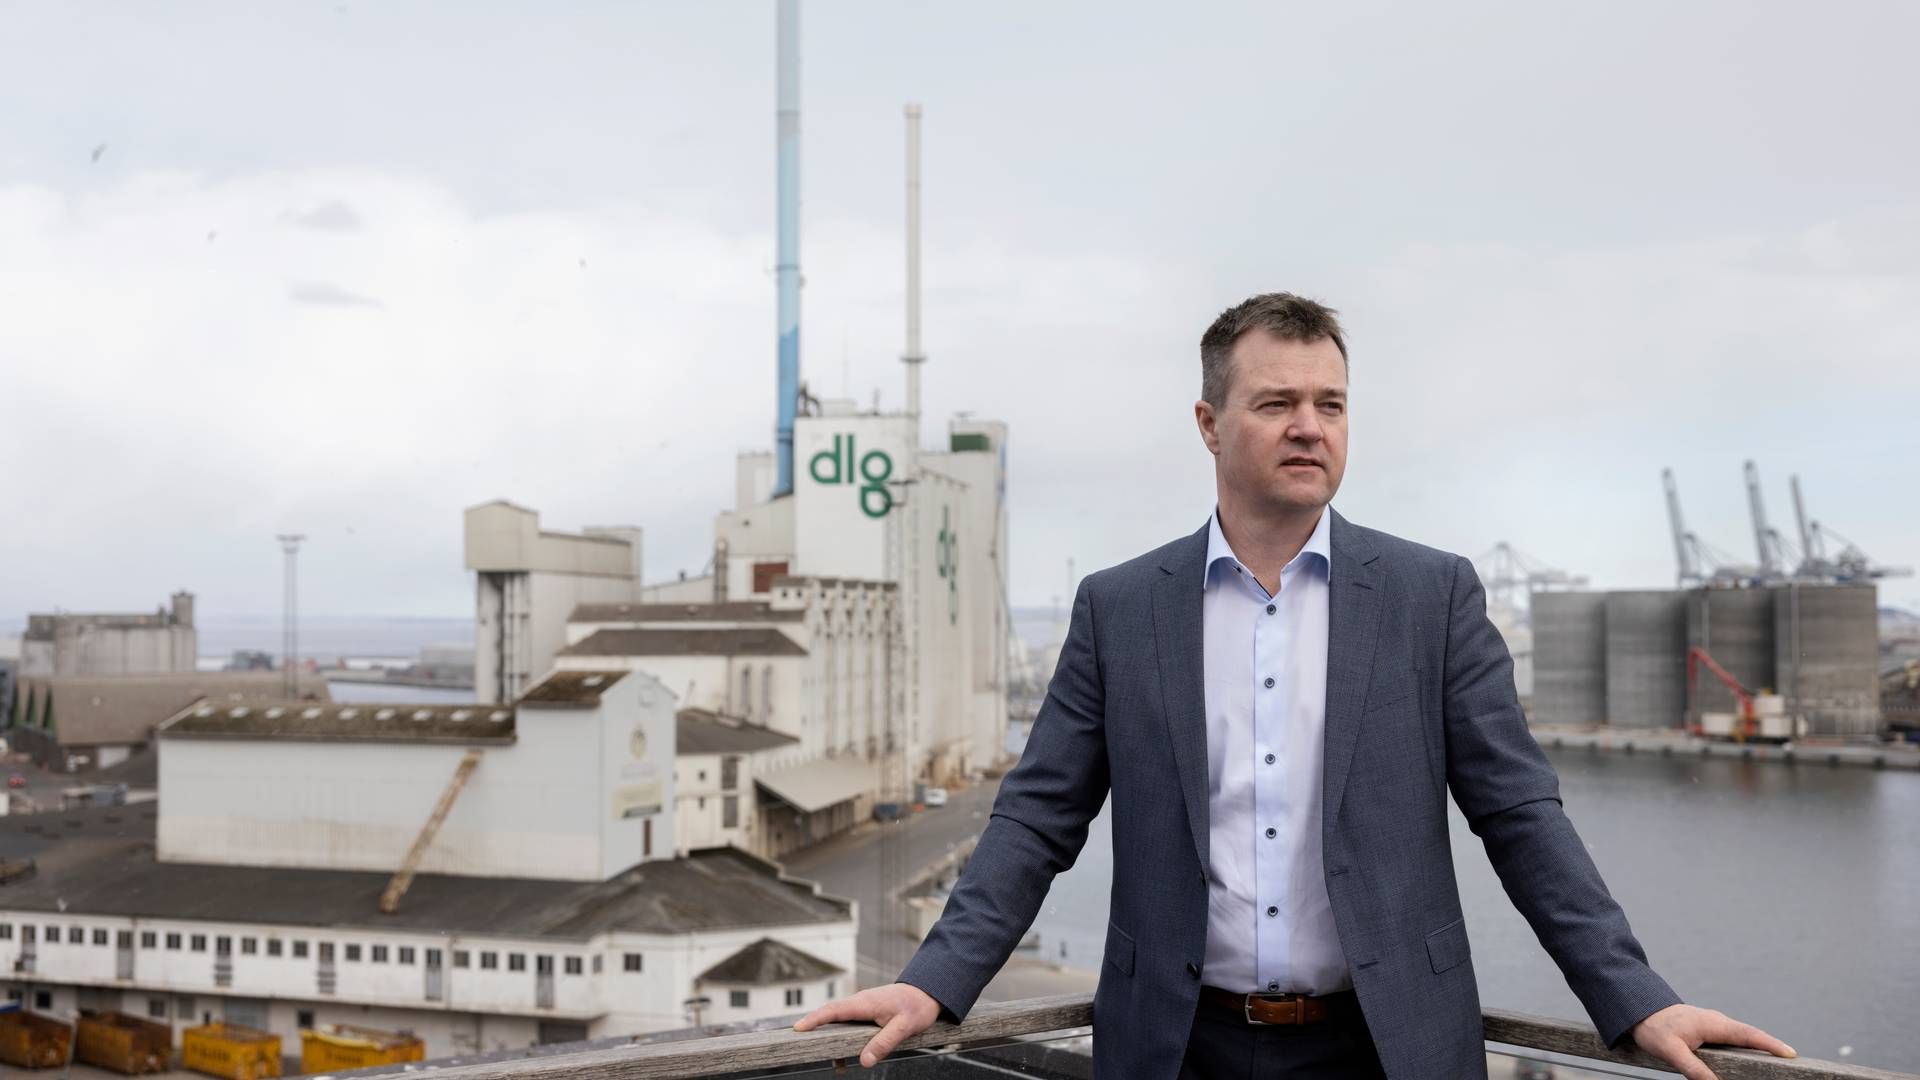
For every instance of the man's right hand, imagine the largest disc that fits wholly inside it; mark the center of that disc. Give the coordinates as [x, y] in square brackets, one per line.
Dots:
[900, 1009]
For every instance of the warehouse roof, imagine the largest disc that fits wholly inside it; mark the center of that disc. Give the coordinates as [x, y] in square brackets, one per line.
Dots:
[768, 963]
[331, 722]
[581, 688]
[819, 784]
[726, 611]
[100, 861]
[745, 641]
[699, 731]
[107, 710]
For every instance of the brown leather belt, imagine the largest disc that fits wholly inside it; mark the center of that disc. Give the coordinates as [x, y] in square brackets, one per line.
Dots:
[1272, 1008]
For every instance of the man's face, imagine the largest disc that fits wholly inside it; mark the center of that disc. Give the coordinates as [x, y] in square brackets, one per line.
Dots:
[1280, 438]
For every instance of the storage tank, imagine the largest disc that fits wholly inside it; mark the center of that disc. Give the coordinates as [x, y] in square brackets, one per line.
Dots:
[230, 1051]
[1827, 656]
[1569, 657]
[125, 1044]
[339, 1047]
[1647, 658]
[1735, 626]
[33, 1041]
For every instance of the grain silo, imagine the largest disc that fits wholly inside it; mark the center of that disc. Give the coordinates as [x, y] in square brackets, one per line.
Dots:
[1569, 657]
[1735, 626]
[1646, 657]
[1826, 656]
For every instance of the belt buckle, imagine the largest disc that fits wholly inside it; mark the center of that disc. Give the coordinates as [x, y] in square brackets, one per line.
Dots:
[1299, 1011]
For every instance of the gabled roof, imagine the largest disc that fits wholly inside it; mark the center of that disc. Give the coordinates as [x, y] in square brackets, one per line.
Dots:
[100, 861]
[349, 722]
[699, 731]
[97, 710]
[767, 963]
[744, 641]
[580, 688]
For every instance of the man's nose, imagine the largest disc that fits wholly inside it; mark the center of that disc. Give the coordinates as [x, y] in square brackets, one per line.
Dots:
[1305, 427]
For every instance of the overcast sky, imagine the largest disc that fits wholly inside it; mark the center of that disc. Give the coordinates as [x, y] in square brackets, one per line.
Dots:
[347, 268]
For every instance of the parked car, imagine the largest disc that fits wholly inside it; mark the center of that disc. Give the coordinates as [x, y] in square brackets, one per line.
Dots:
[936, 796]
[16, 780]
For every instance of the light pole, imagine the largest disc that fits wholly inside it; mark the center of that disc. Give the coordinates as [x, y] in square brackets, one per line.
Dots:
[290, 618]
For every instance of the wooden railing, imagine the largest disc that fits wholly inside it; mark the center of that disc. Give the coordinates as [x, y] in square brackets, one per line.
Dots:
[1000, 1022]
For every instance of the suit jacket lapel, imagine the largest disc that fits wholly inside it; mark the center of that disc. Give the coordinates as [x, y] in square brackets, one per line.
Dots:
[1353, 624]
[1178, 636]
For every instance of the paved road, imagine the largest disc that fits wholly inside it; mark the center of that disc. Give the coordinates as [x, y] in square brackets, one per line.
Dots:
[849, 866]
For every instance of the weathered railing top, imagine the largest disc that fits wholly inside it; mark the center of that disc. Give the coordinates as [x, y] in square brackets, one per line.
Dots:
[776, 1048]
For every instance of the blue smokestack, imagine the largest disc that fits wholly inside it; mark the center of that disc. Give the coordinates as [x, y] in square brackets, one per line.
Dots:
[787, 265]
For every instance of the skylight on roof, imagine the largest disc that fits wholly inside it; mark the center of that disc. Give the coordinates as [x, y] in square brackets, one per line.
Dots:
[383, 714]
[460, 715]
[423, 714]
[310, 713]
[499, 716]
[348, 714]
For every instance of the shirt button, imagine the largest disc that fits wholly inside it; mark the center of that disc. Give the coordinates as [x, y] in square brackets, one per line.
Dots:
[1269, 759]
[1270, 609]
[1273, 988]
[1269, 682]
[1193, 969]
[1271, 832]
[1272, 911]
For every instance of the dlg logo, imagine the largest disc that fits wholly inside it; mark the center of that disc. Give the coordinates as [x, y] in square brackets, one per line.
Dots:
[840, 466]
[944, 544]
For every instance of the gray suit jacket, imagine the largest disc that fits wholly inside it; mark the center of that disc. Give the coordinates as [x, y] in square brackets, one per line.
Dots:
[1420, 701]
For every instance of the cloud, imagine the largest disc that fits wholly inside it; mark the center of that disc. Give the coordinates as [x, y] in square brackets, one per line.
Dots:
[319, 292]
[1501, 392]
[332, 216]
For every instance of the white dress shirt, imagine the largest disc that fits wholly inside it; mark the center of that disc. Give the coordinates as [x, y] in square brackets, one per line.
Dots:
[1269, 922]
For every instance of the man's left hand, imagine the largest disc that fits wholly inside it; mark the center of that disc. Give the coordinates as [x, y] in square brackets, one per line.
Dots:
[1675, 1032]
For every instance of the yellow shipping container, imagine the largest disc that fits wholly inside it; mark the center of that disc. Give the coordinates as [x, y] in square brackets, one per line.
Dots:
[339, 1047]
[32, 1041]
[231, 1051]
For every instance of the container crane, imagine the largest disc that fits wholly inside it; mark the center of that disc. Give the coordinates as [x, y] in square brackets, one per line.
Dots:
[1775, 554]
[1510, 570]
[1849, 564]
[1700, 563]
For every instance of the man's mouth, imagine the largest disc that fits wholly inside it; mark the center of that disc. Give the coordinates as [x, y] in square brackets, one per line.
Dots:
[1297, 461]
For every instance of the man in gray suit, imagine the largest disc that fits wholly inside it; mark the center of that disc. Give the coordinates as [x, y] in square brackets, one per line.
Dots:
[1279, 704]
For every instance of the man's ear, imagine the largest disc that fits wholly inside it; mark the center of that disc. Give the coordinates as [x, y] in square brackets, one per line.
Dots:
[1204, 418]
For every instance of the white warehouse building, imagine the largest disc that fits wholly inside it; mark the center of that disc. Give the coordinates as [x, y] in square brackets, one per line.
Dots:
[527, 849]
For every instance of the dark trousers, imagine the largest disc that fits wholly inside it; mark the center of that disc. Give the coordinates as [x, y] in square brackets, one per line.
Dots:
[1225, 1047]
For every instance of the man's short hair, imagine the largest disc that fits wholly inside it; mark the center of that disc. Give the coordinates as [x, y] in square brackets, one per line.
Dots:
[1284, 315]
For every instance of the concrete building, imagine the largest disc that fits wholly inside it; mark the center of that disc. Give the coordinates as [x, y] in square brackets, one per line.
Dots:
[142, 643]
[545, 902]
[717, 759]
[72, 722]
[527, 580]
[815, 662]
[572, 782]
[1620, 658]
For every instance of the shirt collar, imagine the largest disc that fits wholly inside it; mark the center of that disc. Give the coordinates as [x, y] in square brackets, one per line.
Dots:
[1319, 543]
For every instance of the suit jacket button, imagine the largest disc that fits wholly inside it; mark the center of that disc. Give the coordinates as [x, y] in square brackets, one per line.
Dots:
[1193, 969]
